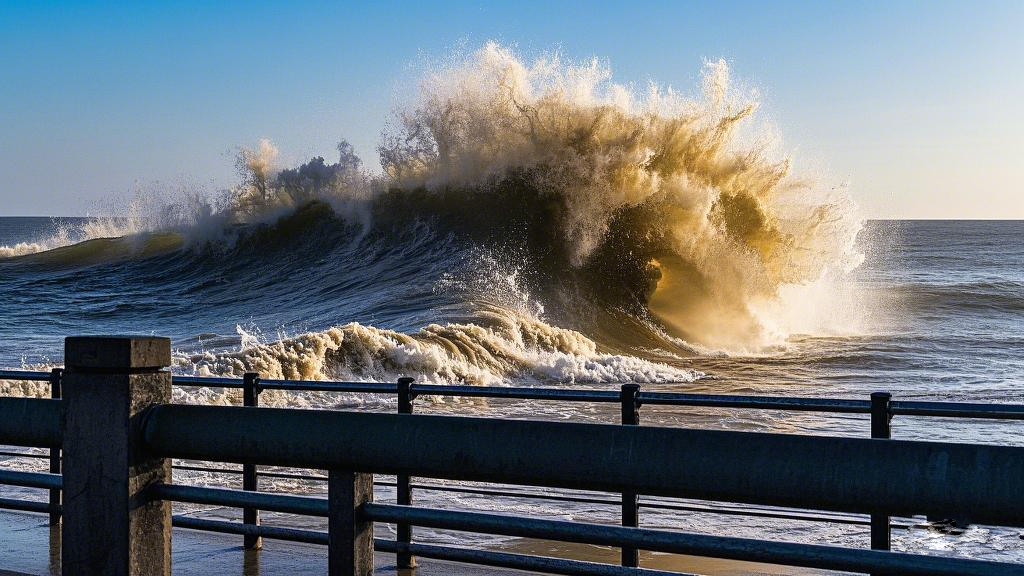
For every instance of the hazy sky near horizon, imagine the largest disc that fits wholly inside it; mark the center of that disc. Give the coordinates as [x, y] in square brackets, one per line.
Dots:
[917, 105]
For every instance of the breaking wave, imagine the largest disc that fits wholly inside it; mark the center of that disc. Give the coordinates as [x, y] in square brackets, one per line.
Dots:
[533, 221]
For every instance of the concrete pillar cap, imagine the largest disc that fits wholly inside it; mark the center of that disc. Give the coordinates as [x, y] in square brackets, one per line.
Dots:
[117, 352]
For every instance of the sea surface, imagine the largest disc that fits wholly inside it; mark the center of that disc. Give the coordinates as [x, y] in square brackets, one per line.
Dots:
[937, 309]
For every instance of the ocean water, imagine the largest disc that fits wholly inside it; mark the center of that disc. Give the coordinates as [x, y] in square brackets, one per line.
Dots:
[945, 302]
[948, 297]
[537, 224]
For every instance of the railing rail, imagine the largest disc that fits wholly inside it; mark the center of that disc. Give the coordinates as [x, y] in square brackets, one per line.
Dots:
[823, 473]
[172, 431]
[782, 403]
[744, 549]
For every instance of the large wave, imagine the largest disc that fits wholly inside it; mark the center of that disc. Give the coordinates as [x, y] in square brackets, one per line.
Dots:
[639, 224]
[655, 191]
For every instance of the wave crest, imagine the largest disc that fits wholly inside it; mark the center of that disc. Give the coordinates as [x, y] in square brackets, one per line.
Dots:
[503, 346]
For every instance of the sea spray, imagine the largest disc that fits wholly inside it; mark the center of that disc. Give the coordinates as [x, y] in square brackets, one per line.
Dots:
[658, 184]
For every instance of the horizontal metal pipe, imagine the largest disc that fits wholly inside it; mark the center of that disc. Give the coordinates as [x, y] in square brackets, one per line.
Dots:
[30, 376]
[959, 410]
[31, 479]
[543, 564]
[975, 482]
[329, 386]
[810, 517]
[209, 381]
[745, 549]
[708, 509]
[206, 469]
[23, 455]
[227, 527]
[835, 405]
[784, 515]
[31, 422]
[239, 499]
[28, 505]
[754, 513]
[517, 393]
[262, 474]
[286, 475]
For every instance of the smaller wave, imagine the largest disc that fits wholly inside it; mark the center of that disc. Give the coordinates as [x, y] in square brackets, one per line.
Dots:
[21, 249]
[508, 347]
[99, 250]
[71, 232]
[142, 225]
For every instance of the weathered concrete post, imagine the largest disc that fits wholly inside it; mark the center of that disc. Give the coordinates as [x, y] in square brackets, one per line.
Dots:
[109, 528]
[350, 535]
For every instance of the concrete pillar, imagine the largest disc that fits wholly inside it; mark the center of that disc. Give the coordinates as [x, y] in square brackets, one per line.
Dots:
[109, 527]
[350, 536]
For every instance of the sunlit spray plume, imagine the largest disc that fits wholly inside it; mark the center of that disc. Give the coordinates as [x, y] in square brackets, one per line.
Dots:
[156, 216]
[722, 226]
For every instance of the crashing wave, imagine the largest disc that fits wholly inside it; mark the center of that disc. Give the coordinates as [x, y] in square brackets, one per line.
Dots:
[655, 208]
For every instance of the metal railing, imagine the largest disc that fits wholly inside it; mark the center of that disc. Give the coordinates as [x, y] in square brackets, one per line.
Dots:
[880, 408]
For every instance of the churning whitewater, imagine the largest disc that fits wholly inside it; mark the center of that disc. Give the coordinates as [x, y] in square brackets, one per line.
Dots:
[531, 222]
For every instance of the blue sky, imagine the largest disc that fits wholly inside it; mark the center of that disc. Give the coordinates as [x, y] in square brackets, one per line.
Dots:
[916, 104]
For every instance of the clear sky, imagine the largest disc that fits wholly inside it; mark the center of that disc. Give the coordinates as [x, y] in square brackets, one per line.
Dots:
[918, 105]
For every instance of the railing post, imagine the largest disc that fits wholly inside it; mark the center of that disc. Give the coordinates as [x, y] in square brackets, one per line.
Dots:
[630, 404]
[56, 375]
[404, 560]
[110, 527]
[250, 480]
[350, 535]
[881, 417]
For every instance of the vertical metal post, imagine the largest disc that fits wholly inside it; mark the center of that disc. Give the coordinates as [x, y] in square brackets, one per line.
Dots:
[630, 404]
[349, 534]
[56, 375]
[881, 418]
[55, 496]
[250, 480]
[404, 560]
